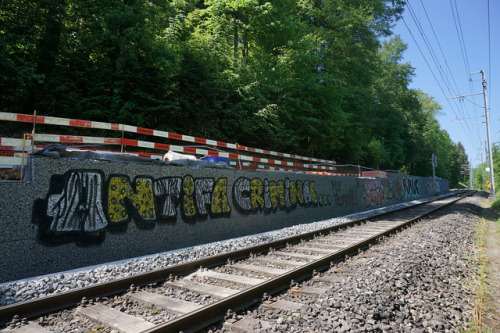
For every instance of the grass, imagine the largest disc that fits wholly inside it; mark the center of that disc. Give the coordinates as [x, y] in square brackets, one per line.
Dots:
[481, 287]
[496, 204]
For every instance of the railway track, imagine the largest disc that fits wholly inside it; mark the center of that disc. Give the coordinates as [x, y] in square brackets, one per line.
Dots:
[194, 295]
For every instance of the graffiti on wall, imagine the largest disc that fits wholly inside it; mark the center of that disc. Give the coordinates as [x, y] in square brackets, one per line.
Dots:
[411, 188]
[436, 186]
[251, 195]
[379, 192]
[83, 204]
[341, 198]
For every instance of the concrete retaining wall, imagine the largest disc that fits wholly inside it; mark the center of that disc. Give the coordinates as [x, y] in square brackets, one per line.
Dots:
[76, 213]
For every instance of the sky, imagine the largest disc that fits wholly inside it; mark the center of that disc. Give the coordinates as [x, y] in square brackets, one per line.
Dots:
[447, 40]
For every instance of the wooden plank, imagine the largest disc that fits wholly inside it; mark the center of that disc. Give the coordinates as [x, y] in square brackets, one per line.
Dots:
[341, 271]
[247, 325]
[168, 303]
[329, 278]
[279, 262]
[249, 281]
[201, 288]
[298, 255]
[115, 319]
[369, 226]
[312, 249]
[363, 232]
[385, 223]
[311, 291]
[380, 226]
[30, 328]
[259, 269]
[283, 305]
[347, 240]
[324, 244]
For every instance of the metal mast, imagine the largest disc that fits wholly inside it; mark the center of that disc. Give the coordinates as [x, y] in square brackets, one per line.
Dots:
[487, 114]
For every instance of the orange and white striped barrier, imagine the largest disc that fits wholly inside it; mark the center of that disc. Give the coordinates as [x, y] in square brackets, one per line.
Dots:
[163, 146]
[141, 130]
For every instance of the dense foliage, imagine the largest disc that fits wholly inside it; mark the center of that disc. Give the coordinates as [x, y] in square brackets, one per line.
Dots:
[319, 78]
[482, 174]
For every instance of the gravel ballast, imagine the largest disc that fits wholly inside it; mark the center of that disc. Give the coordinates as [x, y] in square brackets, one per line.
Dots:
[417, 281]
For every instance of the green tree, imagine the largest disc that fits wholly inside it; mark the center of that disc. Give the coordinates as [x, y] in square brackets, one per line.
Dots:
[21, 30]
[316, 78]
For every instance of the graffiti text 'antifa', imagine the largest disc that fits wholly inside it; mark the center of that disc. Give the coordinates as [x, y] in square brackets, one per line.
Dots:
[82, 202]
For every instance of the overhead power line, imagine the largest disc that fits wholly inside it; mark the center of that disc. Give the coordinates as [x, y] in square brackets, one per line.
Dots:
[458, 28]
[437, 63]
[457, 91]
[463, 48]
[440, 48]
[445, 83]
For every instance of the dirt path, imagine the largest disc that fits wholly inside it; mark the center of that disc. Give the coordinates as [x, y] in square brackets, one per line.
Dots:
[491, 317]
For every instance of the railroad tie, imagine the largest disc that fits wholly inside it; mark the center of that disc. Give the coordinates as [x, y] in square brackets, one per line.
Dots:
[258, 269]
[311, 291]
[30, 328]
[313, 249]
[118, 320]
[297, 255]
[201, 288]
[247, 325]
[278, 262]
[248, 281]
[168, 303]
[283, 305]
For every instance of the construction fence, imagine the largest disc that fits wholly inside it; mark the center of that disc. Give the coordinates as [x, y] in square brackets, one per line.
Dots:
[128, 139]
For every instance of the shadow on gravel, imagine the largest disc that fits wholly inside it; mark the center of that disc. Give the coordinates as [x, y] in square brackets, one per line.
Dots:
[488, 212]
[463, 206]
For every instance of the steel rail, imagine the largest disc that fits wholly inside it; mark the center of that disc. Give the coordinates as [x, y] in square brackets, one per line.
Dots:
[55, 302]
[214, 312]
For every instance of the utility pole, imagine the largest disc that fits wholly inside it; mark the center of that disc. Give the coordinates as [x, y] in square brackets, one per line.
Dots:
[434, 165]
[487, 115]
[483, 186]
[464, 170]
[471, 183]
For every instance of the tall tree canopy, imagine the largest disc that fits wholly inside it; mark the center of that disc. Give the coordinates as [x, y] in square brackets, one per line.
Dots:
[321, 78]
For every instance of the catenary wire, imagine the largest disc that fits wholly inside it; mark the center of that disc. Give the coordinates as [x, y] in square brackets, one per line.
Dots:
[458, 28]
[469, 133]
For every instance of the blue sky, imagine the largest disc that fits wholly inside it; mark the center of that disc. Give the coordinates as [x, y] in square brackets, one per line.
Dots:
[455, 62]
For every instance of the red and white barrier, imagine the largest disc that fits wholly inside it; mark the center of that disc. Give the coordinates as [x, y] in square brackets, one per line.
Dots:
[239, 161]
[141, 130]
[166, 147]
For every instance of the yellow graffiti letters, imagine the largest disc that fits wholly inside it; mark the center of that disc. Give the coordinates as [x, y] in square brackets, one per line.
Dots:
[257, 191]
[296, 192]
[281, 193]
[268, 195]
[120, 192]
[188, 199]
[314, 195]
[220, 202]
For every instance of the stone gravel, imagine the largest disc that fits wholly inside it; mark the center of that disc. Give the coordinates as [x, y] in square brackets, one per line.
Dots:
[22, 290]
[416, 281]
